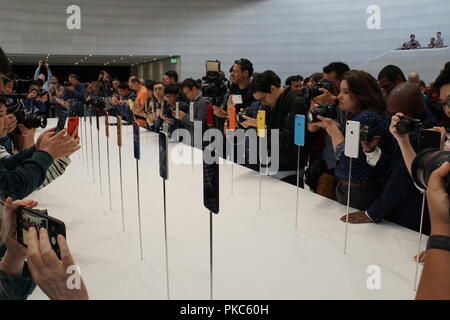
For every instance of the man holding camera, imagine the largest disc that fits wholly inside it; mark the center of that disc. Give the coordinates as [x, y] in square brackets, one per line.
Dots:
[36, 99]
[266, 88]
[75, 91]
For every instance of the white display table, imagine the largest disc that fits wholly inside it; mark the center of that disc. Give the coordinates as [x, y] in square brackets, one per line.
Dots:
[258, 254]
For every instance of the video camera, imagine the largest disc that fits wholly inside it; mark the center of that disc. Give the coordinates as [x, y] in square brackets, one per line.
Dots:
[215, 86]
[309, 93]
[426, 163]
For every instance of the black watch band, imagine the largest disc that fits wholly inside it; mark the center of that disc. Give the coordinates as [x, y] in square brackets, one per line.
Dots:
[438, 242]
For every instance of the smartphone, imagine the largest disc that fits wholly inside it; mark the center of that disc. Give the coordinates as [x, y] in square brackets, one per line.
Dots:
[72, 125]
[429, 139]
[163, 156]
[210, 115]
[352, 135]
[213, 66]
[97, 118]
[261, 123]
[232, 118]
[61, 121]
[119, 131]
[300, 127]
[130, 104]
[107, 124]
[26, 218]
[236, 99]
[136, 141]
[191, 112]
[211, 186]
[177, 110]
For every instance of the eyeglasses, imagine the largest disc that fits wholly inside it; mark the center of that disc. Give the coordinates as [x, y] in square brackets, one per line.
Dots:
[445, 103]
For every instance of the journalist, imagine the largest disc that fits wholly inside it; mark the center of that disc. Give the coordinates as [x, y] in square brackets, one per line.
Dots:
[363, 101]
[283, 106]
[400, 201]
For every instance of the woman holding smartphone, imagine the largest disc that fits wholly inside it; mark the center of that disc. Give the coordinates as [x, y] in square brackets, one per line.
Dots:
[362, 100]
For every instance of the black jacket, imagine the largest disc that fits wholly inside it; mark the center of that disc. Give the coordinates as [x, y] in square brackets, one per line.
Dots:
[282, 117]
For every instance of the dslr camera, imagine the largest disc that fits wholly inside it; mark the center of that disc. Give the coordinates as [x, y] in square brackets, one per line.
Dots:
[426, 163]
[327, 110]
[309, 93]
[426, 139]
[30, 121]
[215, 86]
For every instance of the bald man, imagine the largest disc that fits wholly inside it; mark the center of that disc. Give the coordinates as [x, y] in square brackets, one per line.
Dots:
[400, 201]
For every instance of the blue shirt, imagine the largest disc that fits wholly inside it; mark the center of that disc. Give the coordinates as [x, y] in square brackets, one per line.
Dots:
[361, 170]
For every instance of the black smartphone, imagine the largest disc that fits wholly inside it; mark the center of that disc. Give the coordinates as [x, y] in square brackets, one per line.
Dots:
[429, 139]
[211, 185]
[163, 156]
[61, 121]
[26, 218]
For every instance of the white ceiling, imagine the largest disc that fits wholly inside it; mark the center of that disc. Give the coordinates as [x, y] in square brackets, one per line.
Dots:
[82, 60]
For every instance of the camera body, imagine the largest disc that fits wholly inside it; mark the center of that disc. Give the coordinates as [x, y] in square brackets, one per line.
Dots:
[408, 125]
[366, 135]
[309, 93]
[30, 121]
[426, 139]
[327, 110]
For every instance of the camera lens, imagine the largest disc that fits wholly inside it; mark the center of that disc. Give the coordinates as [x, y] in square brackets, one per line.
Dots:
[425, 163]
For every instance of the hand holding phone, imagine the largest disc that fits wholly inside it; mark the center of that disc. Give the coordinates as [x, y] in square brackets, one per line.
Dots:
[61, 122]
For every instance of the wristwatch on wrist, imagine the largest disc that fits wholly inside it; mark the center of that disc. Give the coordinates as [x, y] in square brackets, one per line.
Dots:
[438, 242]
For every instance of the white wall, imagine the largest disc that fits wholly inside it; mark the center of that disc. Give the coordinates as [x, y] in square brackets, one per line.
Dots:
[288, 36]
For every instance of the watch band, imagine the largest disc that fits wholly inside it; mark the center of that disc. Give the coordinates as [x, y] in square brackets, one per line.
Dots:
[438, 242]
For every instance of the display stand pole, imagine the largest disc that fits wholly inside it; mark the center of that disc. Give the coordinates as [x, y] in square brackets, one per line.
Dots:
[109, 173]
[165, 239]
[211, 279]
[92, 149]
[99, 161]
[85, 143]
[121, 188]
[139, 207]
[420, 241]
[348, 204]
[298, 188]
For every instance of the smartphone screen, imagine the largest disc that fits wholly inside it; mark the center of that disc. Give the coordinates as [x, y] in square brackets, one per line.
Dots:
[26, 218]
[97, 118]
[299, 130]
[72, 125]
[210, 115]
[211, 186]
[136, 141]
[107, 123]
[232, 118]
[119, 131]
[163, 156]
[61, 121]
[261, 123]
